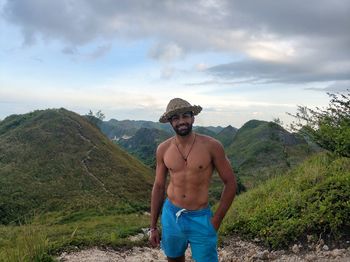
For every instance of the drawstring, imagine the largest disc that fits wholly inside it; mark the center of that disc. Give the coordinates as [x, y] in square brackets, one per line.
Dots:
[178, 214]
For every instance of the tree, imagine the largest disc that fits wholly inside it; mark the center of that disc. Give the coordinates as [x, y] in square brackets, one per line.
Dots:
[278, 121]
[329, 127]
[97, 118]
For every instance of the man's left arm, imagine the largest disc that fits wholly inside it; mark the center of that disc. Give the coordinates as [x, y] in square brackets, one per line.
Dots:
[227, 176]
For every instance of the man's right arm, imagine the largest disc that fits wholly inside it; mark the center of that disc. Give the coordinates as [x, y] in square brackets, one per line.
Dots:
[158, 193]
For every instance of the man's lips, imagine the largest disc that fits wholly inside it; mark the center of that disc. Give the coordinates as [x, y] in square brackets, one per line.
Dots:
[182, 127]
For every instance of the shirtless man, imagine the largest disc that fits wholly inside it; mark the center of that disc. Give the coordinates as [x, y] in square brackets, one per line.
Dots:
[190, 160]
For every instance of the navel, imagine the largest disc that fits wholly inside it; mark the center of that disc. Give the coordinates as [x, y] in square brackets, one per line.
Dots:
[200, 167]
[183, 196]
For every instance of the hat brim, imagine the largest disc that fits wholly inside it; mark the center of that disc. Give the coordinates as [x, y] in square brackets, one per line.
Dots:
[194, 109]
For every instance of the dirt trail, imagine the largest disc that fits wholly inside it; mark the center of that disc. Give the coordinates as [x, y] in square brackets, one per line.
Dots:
[234, 249]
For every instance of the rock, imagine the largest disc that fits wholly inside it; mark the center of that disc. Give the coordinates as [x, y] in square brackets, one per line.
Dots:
[325, 248]
[137, 237]
[296, 249]
[272, 256]
[318, 248]
[262, 255]
[310, 257]
[311, 246]
[337, 252]
[309, 238]
[279, 252]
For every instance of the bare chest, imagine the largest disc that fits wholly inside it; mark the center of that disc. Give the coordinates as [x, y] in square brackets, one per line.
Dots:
[188, 160]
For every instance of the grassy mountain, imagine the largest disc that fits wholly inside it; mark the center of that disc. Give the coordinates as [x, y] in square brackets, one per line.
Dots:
[127, 128]
[312, 199]
[262, 149]
[226, 135]
[215, 129]
[55, 159]
[144, 144]
[204, 131]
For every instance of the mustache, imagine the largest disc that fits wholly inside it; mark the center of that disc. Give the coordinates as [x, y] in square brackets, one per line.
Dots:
[185, 125]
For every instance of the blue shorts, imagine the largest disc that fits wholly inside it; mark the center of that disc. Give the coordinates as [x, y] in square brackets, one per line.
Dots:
[181, 227]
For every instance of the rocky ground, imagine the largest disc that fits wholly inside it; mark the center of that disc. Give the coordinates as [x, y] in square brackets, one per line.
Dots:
[233, 249]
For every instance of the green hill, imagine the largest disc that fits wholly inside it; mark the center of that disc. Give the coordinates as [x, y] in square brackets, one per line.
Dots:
[204, 131]
[215, 129]
[263, 149]
[226, 135]
[56, 160]
[144, 144]
[311, 200]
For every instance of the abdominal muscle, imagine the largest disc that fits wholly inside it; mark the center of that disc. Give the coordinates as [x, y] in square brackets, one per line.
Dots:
[183, 191]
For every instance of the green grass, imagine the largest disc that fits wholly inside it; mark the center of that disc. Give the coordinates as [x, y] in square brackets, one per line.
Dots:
[312, 199]
[49, 234]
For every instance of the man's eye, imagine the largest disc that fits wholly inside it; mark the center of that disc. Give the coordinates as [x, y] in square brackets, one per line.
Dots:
[186, 115]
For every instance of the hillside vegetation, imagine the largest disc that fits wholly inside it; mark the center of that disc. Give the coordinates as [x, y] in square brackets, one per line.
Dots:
[263, 149]
[144, 143]
[313, 199]
[54, 160]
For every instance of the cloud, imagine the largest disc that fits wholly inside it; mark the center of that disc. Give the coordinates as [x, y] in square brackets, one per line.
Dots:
[69, 50]
[167, 72]
[279, 41]
[282, 72]
[337, 87]
[166, 52]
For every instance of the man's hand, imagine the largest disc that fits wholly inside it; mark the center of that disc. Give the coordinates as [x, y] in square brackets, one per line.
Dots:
[154, 237]
[216, 223]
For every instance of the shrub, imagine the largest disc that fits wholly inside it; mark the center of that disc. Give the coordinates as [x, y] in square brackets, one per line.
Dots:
[330, 127]
[313, 199]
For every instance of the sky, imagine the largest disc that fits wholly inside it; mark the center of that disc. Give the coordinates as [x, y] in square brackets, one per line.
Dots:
[238, 59]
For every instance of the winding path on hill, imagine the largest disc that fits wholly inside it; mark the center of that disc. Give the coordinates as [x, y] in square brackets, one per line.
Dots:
[234, 249]
[87, 157]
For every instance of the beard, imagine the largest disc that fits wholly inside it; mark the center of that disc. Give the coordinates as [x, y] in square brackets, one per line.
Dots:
[183, 129]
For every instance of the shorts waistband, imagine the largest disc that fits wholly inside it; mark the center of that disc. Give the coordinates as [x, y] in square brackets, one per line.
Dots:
[168, 204]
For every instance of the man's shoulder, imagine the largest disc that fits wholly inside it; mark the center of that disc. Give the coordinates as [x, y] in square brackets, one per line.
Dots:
[207, 139]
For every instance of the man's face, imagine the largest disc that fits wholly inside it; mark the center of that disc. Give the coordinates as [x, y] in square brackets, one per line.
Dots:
[182, 123]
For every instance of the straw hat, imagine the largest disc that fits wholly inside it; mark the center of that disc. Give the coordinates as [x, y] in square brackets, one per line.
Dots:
[178, 106]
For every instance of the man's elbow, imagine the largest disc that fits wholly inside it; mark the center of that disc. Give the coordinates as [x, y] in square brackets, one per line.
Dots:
[158, 188]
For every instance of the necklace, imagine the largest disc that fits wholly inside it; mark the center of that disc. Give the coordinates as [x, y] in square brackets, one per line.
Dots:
[184, 157]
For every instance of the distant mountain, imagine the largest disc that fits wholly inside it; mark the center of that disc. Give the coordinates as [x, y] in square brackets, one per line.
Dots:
[215, 129]
[204, 131]
[115, 129]
[226, 135]
[52, 160]
[263, 149]
[144, 144]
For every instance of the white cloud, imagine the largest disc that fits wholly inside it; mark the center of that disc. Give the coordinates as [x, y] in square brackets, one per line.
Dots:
[166, 52]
